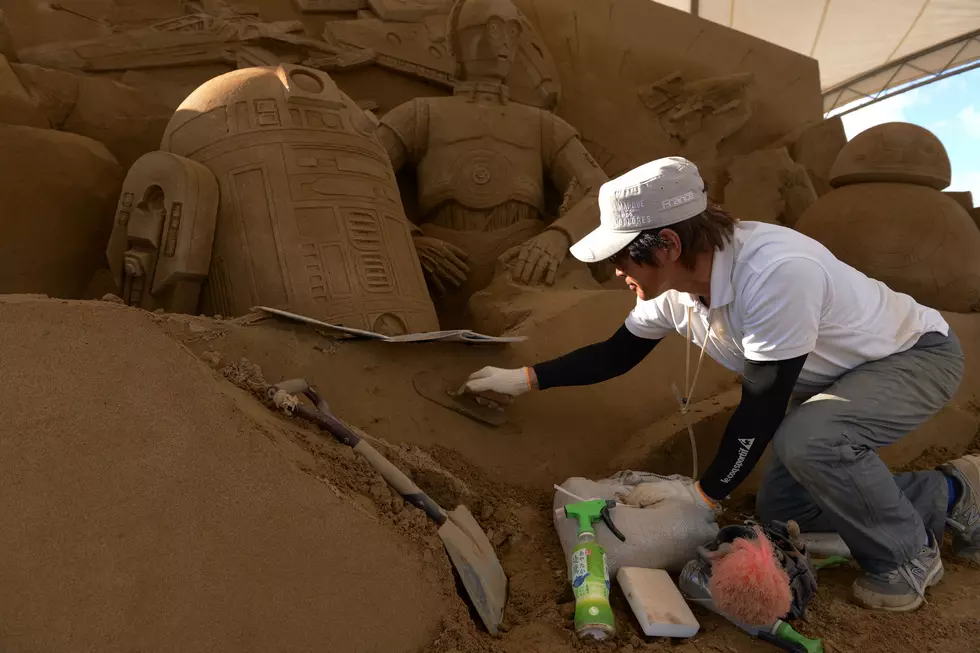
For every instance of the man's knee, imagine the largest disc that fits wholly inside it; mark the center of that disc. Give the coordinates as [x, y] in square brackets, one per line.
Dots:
[809, 438]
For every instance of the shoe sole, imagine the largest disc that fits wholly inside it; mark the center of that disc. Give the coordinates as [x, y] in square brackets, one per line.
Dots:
[908, 607]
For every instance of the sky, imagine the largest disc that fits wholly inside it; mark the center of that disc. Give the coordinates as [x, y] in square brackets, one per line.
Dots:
[950, 109]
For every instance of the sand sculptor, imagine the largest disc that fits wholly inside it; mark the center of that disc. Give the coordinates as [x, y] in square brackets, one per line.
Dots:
[807, 331]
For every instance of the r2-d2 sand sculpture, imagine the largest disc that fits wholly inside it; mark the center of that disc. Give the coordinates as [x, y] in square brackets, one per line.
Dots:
[271, 188]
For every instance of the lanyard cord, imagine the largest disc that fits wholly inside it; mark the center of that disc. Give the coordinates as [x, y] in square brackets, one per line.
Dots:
[685, 401]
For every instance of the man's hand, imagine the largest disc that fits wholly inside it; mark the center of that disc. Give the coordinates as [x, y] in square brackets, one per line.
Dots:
[537, 260]
[444, 264]
[645, 495]
[502, 385]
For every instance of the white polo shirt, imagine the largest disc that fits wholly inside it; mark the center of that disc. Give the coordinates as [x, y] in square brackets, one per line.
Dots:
[777, 294]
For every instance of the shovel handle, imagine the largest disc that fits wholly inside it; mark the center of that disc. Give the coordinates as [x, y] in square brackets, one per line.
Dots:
[397, 479]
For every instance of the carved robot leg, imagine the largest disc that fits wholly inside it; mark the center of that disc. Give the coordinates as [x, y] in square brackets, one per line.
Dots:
[160, 248]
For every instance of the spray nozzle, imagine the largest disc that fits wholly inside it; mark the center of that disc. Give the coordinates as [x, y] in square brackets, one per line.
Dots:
[589, 512]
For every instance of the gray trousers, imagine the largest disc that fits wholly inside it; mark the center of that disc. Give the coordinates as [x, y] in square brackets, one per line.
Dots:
[825, 472]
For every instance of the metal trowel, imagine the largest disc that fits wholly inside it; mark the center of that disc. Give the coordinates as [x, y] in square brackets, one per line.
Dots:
[435, 388]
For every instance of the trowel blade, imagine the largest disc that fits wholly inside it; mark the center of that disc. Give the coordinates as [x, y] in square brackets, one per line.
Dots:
[476, 561]
[433, 387]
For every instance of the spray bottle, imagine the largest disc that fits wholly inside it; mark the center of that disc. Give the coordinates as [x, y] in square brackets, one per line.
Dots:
[590, 574]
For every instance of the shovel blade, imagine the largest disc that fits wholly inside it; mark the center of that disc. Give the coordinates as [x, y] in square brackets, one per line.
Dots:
[475, 560]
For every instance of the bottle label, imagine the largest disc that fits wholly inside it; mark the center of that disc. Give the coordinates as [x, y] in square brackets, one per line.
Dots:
[580, 567]
[590, 583]
[590, 572]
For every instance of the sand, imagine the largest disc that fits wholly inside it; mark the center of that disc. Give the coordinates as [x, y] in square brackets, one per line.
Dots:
[147, 504]
[504, 475]
[119, 448]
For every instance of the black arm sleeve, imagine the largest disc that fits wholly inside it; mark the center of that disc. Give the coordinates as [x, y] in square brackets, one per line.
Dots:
[595, 363]
[766, 389]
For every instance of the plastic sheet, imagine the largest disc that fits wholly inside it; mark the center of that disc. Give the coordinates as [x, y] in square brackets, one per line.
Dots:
[662, 537]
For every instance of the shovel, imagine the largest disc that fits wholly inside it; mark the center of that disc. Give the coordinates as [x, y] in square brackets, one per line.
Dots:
[468, 546]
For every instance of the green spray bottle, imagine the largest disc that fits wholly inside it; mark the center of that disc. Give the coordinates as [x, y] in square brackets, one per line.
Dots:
[590, 574]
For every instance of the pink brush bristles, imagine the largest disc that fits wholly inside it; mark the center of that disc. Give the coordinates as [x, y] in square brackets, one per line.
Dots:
[748, 584]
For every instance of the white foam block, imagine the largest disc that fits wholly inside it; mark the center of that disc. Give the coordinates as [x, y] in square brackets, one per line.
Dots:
[657, 603]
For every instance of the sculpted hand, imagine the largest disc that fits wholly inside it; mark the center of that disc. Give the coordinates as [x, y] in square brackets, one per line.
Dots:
[537, 260]
[444, 264]
[650, 494]
[503, 385]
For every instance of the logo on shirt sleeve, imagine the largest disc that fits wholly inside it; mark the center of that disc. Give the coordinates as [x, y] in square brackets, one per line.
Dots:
[742, 454]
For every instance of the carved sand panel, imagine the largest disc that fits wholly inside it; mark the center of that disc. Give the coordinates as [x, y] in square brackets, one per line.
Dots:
[198, 39]
[816, 148]
[893, 151]
[310, 219]
[409, 48]
[408, 11]
[699, 114]
[328, 6]
[604, 49]
[911, 237]
[768, 186]
[419, 48]
[160, 248]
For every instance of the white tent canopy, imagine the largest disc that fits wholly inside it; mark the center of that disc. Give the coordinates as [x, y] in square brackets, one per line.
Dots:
[864, 47]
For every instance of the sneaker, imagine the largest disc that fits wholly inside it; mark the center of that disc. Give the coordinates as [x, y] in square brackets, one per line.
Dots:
[964, 519]
[902, 589]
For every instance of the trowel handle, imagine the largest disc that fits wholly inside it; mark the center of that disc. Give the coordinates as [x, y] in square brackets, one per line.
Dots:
[391, 474]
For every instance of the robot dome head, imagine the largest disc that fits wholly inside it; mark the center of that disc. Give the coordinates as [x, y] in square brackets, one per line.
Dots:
[484, 36]
[259, 99]
[897, 152]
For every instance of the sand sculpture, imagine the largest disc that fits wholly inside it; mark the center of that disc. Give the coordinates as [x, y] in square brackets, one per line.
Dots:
[194, 39]
[887, 218]
[699, 114]
[398, 54]
[390, 52]
[816, 146]
[481, 161]
[160, 248]
[308, 219]
[16, 107]
[58, 190]
[768, 186]
[126, 120]
[6, 42]
[410, 37]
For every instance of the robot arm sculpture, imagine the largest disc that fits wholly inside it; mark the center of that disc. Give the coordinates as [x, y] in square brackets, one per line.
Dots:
[403, 133]
[578, 176]
[159, 251]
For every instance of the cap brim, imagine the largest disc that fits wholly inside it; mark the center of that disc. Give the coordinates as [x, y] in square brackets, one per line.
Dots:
[601, 244]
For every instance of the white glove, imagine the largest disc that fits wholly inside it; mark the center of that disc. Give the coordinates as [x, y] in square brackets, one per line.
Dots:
[650, 494]
[494, 379]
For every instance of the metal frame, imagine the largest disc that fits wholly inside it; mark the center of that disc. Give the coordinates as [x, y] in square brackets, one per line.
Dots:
[857, 88]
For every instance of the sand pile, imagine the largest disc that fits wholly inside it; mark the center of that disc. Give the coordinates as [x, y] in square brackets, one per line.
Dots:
[146, 504]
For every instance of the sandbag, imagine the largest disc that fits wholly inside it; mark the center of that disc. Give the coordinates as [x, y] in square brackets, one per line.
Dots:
[665, 536]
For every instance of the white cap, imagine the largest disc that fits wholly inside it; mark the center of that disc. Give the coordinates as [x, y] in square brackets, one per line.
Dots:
[654, 195]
